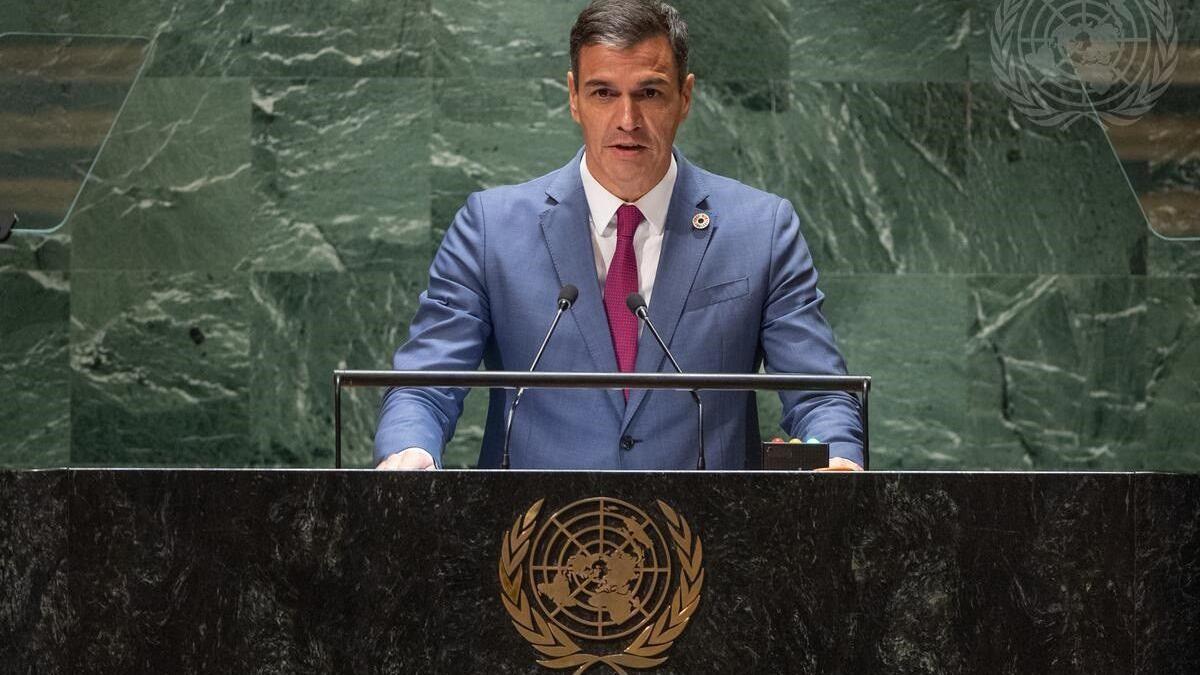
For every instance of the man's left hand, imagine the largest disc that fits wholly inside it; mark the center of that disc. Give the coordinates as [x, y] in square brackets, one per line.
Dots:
[840, 464]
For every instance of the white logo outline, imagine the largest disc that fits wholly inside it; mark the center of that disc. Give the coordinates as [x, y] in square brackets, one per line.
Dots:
[1058, 61]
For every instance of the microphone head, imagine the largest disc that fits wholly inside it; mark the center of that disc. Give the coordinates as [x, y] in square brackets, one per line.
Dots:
[567, 295]
[635, 302]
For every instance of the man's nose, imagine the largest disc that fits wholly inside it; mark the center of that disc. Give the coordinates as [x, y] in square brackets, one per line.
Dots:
[630, 117]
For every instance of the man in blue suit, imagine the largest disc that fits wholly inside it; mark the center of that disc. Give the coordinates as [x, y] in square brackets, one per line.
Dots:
[728, 277]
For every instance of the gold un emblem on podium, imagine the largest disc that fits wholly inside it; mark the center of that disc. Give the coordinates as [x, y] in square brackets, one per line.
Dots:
[601, 570]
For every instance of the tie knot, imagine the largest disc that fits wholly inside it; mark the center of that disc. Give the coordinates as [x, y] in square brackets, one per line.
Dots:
[628, 219]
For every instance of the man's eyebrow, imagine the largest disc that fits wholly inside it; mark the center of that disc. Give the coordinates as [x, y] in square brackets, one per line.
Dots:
[650, 81]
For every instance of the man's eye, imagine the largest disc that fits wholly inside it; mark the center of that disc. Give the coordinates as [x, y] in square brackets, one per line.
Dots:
[604, 93]
[651, 93]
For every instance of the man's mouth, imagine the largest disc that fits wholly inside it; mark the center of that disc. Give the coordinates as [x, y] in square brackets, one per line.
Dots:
[628, 147]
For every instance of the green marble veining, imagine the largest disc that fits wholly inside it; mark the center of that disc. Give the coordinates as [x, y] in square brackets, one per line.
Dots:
[341, 169]
[1047, 201]
[880, 40]
[36, 253]
[34, 369]
[906, 332]
[1173, 257]
[303, 326]
[171, 190]
[1057, 369]
[488, 133]
[979, 44]
[326, 38]
[848, 156]
[1173, 378]
[738, 40]
[193, 37]
[160, 369]
[489, 39]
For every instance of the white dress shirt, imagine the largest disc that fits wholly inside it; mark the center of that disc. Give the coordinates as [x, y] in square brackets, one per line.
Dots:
[647, 239]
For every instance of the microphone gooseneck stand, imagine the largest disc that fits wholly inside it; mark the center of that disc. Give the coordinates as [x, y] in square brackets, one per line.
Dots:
[637, 304]
[566, 298]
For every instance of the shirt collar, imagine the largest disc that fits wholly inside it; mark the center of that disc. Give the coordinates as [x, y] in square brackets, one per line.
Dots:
[604, 204]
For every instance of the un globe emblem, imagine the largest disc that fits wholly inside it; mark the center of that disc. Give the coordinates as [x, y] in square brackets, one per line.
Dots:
[601, 570]
[1058, 61]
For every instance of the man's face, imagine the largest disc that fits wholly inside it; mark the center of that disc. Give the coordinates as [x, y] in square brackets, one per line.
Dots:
[629, 104]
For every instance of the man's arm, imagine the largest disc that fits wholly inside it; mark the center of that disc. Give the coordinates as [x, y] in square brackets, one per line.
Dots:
[451, 326]
[796, 339]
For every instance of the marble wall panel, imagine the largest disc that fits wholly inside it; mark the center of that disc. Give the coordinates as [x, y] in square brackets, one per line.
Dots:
[19, 16]
[1173, 258]
[907, 333]
[488, 133]
[487, 39]
[877, 172]
[35, 612]
[1046, 200]
[303, 327]
[738, 41]
[193, 37]
[341, 170]
[160, 367]
[979, 45]
[35, 369]
[327, 38]
[46, 253]
[1173, 378]
[171, 190]
[1057, 372]
[878, 40]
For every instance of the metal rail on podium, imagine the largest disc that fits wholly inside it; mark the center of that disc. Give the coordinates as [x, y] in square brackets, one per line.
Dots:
[857, 385]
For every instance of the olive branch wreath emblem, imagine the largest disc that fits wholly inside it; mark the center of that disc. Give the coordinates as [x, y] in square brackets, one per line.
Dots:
[1014, 80]
[560, 650]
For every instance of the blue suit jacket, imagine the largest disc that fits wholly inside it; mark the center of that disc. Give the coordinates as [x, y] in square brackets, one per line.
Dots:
[728, 298]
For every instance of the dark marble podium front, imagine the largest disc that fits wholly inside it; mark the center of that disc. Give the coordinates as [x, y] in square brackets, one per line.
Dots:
[174, 571]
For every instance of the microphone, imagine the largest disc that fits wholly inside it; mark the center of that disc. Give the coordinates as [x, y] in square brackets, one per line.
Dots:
[6, 228]
[637, 304]
[566, 298]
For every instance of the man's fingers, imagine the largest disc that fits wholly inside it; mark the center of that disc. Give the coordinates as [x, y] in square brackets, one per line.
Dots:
[412, 459]
[841, 464]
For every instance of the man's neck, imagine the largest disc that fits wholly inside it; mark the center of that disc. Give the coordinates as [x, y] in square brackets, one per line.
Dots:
[627, 197]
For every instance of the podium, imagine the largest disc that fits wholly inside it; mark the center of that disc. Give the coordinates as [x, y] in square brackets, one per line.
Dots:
[307, 571]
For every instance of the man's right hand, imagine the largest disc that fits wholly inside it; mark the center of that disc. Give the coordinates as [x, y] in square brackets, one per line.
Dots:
[412, 459]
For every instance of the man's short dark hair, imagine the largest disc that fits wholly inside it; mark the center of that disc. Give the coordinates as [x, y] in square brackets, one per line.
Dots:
[624, 23]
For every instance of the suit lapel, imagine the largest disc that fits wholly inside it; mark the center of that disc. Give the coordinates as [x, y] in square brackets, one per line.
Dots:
[682, 252]
[565, 228]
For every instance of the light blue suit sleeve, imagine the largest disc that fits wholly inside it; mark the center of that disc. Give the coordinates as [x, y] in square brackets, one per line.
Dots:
[449, 332]
[797, 339]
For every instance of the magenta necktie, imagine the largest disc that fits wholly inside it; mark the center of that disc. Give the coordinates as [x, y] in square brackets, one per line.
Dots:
[622, 280]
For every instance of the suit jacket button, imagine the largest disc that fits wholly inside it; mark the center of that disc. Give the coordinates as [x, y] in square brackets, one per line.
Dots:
[626, 442]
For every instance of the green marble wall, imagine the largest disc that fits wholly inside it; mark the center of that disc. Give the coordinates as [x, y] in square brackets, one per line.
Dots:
[269, 203]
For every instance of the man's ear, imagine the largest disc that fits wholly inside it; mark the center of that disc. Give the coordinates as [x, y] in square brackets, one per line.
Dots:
[689, 83]
[572, 96]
